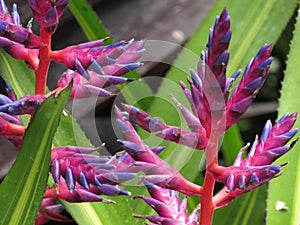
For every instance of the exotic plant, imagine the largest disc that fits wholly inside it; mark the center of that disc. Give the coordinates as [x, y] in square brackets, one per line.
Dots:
[81, 174]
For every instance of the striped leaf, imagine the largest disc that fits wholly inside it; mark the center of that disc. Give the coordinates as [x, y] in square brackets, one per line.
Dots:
[22, 190]
[286, 188]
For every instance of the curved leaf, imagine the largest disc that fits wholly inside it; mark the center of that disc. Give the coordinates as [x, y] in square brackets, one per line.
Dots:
[88, 20]
[23, 188]
[240, 211]
[286, 188]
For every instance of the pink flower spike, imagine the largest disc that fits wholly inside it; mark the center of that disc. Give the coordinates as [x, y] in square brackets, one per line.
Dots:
[254, 77]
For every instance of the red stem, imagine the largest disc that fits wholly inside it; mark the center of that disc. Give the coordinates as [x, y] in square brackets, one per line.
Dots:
[15, 129]
[206, 199]
[223, 198]
[44, 62]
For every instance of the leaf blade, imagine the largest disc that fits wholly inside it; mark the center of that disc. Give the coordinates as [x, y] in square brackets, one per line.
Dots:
[23, 198]
[287, 187]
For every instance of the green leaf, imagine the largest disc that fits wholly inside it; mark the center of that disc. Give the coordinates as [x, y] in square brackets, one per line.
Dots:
[23, 188]
[240, 211]
[88, 20]
[111, 213]
[286, 188]
[15, 72]
[231, 145]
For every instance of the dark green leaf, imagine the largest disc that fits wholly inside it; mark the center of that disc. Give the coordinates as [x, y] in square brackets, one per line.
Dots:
[22, 190]
[240, 211]
[88, 20]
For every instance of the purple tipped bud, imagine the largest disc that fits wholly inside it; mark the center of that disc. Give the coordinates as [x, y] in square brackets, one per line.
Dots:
[254, 76]
[4, 100]
[97, 182]
[95, 66]
[196, 79]
[50, 20]
[87, 196]
[3, 8]
[55, 170]
[230, 183]
[111, 190]
[266, 130]
[83, 181]
[254, 179]
[15, 15]
[25, 105]
[70, 179]
[157, 149]
[273, 170]
[242, 182]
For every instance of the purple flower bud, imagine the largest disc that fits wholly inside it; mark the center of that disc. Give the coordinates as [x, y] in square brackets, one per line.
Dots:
[15, 15]
[254, 76]
[82, 175]
[254, 179]
[83, 181]
[87, 196]
[170, 209]
[230, 182]
[42, 10]
[115, 59]
[50, 210]
[25, 105]
[50, 20]
[4, 100]
[70, 179]
[55, 170]
[111, 190]
[245, 178]
[95, 68]
[79, 193]
[271, 145]
[164, 131]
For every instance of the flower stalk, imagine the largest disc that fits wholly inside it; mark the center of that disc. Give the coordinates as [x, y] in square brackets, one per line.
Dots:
[44, 63]
[81, 174]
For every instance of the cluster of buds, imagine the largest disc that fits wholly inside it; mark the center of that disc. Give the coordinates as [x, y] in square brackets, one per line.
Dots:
[169, 207]
[94, 67]
[50, 210]
[213, 111]
[81, 175]
[156, 170]
[10, 111]
[47, 13]
[256, 169]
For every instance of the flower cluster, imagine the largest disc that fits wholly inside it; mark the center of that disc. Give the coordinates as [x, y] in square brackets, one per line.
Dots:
[81, 174]
[169, 207]
[213, 111]
[11, 109]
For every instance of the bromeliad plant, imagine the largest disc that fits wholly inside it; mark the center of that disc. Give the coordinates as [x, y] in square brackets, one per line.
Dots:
[80, 174]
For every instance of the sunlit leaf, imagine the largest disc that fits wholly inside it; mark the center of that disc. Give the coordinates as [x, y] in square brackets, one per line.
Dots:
[286, 188]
